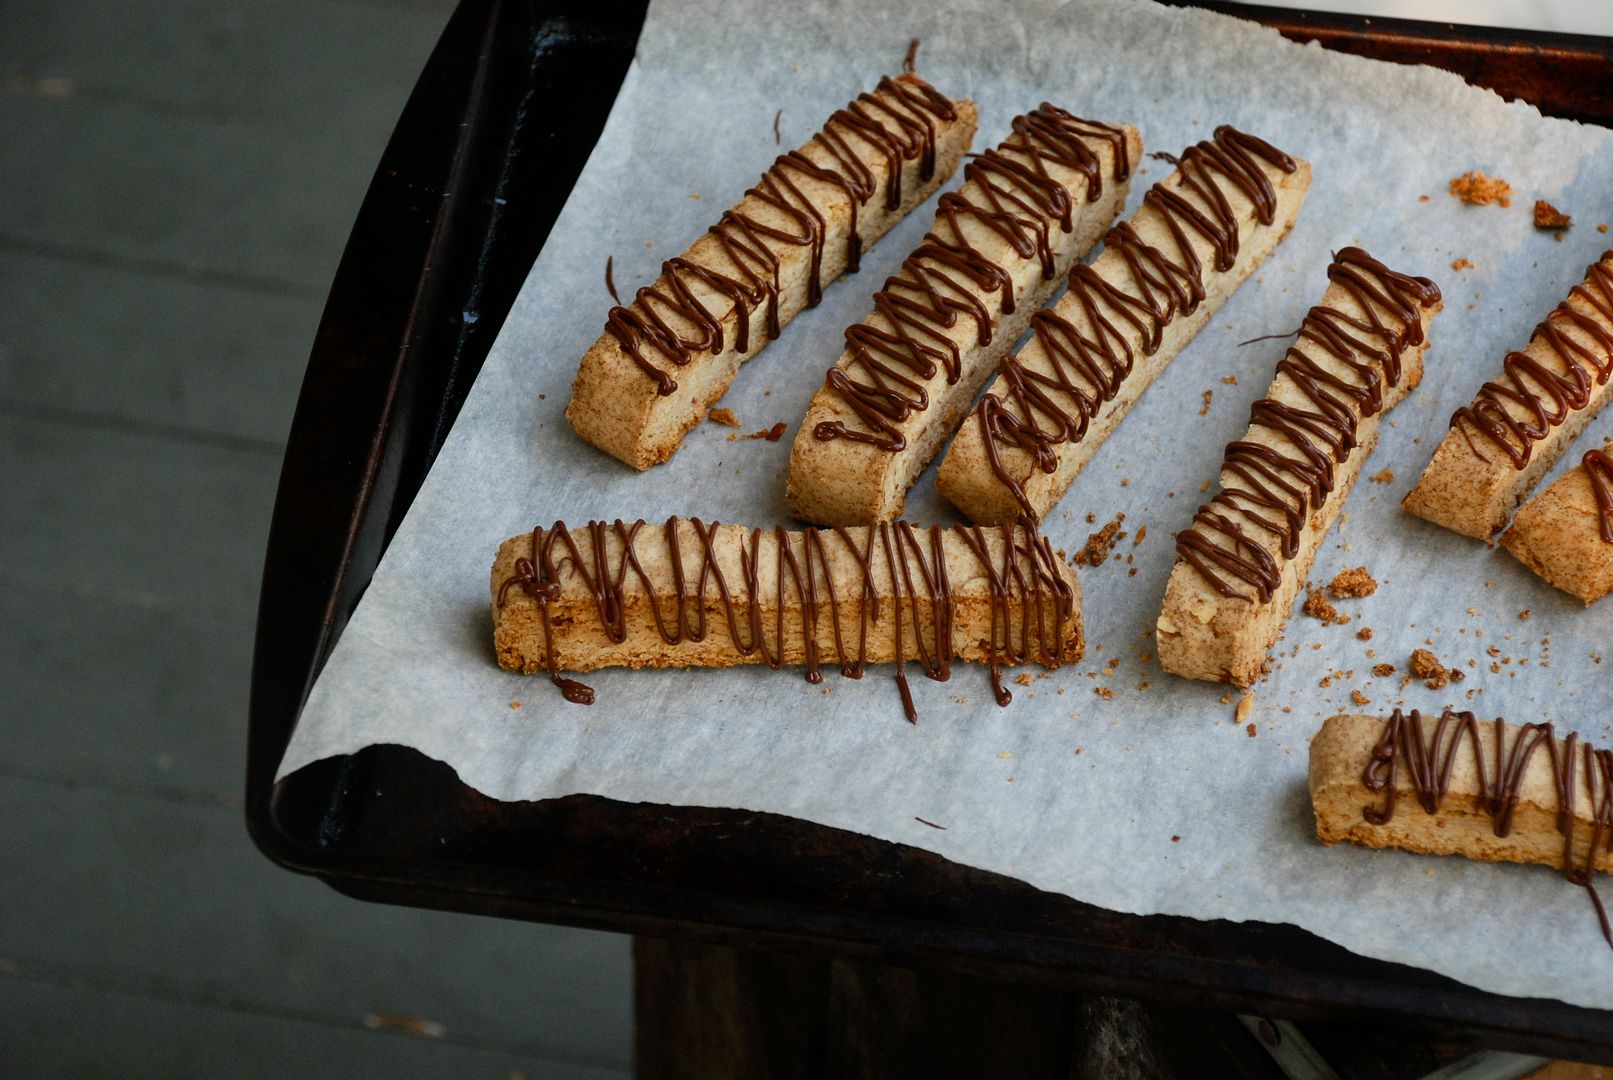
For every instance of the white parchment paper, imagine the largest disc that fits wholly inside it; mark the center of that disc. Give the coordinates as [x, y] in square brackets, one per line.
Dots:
[1154, 800]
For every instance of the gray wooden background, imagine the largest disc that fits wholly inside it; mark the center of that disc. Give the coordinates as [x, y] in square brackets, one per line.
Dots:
[177, 180]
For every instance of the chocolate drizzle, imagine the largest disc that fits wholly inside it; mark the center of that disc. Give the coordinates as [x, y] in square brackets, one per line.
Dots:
[1544, 397]
[897, 122]
[1015, 198]
[1037, 412]
[1430, 759]
[913, 560]
[1598, 465]
[1276, 488]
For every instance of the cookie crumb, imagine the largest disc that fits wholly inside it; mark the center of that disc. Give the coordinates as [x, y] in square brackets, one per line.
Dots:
[1359, 698]
[1023, 679]
[1246, 705]
[725, 417]
[1352, 584]
[1523, 616]
[515, 704]
[1209, 396]
[1104, 692]
[1461, 264]
[1423, 198]
[1476, 189]
[772, 434]
[1382, 476]
[1100, 544]
[1364, 634]
[1249, 730]
[1426, 666]
[1548, 216]
[1318, 607]
[1383, 671]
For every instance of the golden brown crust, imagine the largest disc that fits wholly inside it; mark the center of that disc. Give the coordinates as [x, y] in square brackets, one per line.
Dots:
[1558, 535]
[1471, 485]
[617, 407]
[581, 642]
[1339, 755]
[849, 482]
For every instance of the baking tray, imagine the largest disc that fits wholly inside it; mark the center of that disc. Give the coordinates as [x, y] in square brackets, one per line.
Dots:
[480, 164]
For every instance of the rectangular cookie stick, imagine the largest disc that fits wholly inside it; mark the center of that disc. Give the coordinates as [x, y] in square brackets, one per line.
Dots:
[1439, 786]
[1000, 245]
[690, 594]
[669, 354]
[1240, 564]
[1517, 427]
[1198, 235]
[1565, 534]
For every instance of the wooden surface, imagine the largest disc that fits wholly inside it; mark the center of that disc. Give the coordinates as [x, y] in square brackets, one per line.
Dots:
[180, 179]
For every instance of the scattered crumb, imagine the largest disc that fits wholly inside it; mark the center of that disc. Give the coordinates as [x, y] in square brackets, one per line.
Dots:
[1024, 679]
[1364, 634]
[1382, 476]
[1352, 584]
[1426, 666]
[1461, 264]
[1383, 671]
[1318, 607]
[1422, 198]
[1209, 396]
[1476, 189]
[515, 704]
[1250, 730]
[772, 434]
[1602, 227]
[1548, 216]
[1359, 698]
[1142, 531]
[1176, 839]
[725, 417]
[1523, 615]
[732, 435]
[1230, 380]
[412, 1025]
[1104, 692]
[1246, 705]
[1100, 544]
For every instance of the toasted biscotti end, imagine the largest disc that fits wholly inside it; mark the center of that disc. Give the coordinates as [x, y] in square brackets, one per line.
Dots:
[1462, 492]
[1558, 535]
[619, 408]
[1462, 825]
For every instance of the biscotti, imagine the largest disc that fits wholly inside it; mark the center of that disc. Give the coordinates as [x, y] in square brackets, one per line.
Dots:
[1198, 235]
[1241, 562]
[1517, 427]
[1459, 786]
[668, 355]
[1565, 533]
[1000, 245]
[690, 594]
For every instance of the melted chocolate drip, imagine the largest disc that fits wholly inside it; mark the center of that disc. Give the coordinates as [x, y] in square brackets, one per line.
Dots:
[1019, 201]
[1277, 488]
[1545, 397]
[1599, 469]
[1430, 760]
[1164, 285]
[914, 562]
[898, 123]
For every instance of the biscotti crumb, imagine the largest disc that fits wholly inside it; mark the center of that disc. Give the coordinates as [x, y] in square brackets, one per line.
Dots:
[1426, 666]
[1602, 227]
[1383, 670]
[1352, 584]
[1523, 616]
[1142, 531]
[1023, 679]
[1548, 216]
[1209, 396]
[1249, 730]
[1364, 634]
[1230, 380]
[1246, 705]
[1423, 198]
[1104, 692]
[1476, 189]
[1318, 607]
[515, 704]
[1461, 264]
[1100, 544]
[1382, 476]
[725, 417]
[1359, 698]
[772, 434]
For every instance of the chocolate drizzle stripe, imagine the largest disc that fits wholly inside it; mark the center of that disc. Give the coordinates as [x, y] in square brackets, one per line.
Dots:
[897, 122]
[1598, 465]
[1275, 488]
[1530, 399]
[921, 607]
[1038, 412]
[1007, 191]
[1429, 760]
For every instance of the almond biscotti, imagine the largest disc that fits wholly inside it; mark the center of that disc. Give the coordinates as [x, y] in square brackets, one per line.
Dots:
[1455, 785]
[668, 355]
[1501, 444]
[1027, 211]
[1565, 534]
[1241, 562]
[1199, 234]
[691, 594]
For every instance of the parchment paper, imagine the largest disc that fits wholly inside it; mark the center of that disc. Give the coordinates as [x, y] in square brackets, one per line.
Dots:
[1064, 789]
